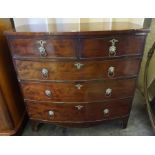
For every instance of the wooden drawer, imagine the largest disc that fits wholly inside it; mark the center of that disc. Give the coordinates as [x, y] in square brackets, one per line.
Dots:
[49, 48]
[79, 112]
[79, 92]
[99, 47]
[28, 70]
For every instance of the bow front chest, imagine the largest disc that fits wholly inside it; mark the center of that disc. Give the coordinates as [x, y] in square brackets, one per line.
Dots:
[77, 75]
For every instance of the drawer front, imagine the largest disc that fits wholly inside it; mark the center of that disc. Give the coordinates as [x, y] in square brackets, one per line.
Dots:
[79, 92]
[109, 110]
[112, 47]
[48, 48]
[82, 70]
[67, 112]
[79, 112]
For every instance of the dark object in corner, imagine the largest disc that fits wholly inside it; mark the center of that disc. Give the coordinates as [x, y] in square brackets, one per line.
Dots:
[152, 104]
[146, 94]
[12, 110]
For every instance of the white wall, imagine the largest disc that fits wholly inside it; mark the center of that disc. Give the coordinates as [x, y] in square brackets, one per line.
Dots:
[25, 21]
[45, 21]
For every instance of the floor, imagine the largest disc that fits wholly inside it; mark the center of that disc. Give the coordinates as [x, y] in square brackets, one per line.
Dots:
[138, 125]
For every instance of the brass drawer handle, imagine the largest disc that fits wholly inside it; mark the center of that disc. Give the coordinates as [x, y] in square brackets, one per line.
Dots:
[48, 93]
[78, 65]
[111, 71]
[44, 73]
[112, 48]
[42, 49]
[79, 107]
[106, 111]
[108, 92]
[78, 86]
[51, 114]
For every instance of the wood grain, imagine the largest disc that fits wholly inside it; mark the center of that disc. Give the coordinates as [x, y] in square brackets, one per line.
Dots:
[64, 50]
[66, 70]
[99, 47]
[89, 112]
[68, 92]
[12, 105]
[5, 119]
[53, 47]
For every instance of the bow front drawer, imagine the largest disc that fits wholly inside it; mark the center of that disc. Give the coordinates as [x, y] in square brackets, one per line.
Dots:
[80, 70]
[78, 92]
[46, 48]
[79, 112]
[124, 45]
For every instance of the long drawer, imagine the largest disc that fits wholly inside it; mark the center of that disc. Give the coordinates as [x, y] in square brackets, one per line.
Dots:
[79, 70]
[46, 48]
[78, 92]
[79, 112]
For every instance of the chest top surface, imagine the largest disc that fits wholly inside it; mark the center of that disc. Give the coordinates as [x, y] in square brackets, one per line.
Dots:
[78, 28]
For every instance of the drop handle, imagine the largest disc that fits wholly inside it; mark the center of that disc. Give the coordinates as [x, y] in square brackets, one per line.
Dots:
[44, 73]
[108, 92]
[112, 48]
[48, 93]
[106, 111]
[111, 71]
[42, 49]
[51, 113]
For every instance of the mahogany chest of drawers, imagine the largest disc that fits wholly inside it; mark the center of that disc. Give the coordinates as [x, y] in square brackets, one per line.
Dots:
[78, 78]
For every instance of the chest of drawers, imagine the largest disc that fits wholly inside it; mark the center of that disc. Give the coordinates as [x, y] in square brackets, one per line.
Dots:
[77, 78]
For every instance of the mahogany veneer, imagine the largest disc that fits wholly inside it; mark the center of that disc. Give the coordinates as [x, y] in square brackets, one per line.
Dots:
[68, 92]
[29, 48]
[66, 70]
[89, 112]
[77, 75]
[97, 47]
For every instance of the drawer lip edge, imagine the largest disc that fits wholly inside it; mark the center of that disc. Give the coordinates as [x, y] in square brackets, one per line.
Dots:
[140, 31]
[73, 81]
[59, 103]
[80, 58]
[104, 119]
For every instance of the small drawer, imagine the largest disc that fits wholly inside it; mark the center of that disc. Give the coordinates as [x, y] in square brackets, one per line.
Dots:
[46, 48]
[79, 70]
[78, 92]
[124, 45]
[80, 112]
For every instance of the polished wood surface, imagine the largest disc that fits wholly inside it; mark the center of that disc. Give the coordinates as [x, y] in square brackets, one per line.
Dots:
[99, 47]
[70, 113]
[6, 122]
[12, 109]
[87, 48]
[79, 70]
[89, 91]
[66, 70]
[30, 47]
